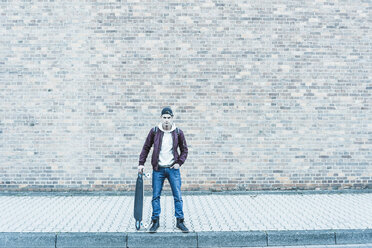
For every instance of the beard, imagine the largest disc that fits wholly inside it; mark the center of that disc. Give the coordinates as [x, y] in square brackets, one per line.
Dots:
[168, 125]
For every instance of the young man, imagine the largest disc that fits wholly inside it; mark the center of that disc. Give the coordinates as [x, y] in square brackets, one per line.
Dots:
[166, 163]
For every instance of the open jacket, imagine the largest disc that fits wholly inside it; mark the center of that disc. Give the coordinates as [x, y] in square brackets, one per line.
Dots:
[155, 138]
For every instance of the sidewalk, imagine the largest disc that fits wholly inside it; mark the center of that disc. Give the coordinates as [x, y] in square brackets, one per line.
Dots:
[215, 220]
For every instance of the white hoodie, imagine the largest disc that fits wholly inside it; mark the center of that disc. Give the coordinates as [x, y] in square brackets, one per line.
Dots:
[166, 158]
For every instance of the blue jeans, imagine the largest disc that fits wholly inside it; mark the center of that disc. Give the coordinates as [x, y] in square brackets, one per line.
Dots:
[174, 179]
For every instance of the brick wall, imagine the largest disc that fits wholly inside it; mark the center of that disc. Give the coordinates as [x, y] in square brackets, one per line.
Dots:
[269, 94]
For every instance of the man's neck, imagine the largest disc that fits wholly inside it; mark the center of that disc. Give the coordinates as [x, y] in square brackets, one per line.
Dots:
[165, 128]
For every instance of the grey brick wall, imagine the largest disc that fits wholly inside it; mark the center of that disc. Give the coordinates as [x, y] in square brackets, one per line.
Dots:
[269, 94]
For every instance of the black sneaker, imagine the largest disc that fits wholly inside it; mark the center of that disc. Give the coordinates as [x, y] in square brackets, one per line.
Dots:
[155, 225]
[181, 225]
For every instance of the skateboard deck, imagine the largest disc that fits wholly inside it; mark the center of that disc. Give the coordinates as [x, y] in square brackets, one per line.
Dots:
[138, 201]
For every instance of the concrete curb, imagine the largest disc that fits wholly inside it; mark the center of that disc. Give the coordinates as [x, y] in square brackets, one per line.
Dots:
[178, 239]
[233, 239]
[93, 239]
[311, 237]
[350, 236]
[29, 239]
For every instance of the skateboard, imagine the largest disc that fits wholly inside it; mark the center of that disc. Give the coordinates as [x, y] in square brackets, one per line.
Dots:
[138, 200]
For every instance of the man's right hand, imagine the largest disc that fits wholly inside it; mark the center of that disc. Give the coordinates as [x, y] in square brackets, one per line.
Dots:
[141, 168]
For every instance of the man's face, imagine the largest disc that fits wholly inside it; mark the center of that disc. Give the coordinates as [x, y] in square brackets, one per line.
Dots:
[167, 120]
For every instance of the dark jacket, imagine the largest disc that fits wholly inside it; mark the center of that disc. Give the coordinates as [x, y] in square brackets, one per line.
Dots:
[155, 138]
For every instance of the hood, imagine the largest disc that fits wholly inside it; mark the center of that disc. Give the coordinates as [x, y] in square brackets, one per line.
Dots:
[161, 127]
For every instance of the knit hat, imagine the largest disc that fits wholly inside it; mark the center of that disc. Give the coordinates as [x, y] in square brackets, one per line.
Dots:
[167, 110]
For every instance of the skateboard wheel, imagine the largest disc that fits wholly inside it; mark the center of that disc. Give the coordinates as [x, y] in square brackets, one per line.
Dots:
[138, 225]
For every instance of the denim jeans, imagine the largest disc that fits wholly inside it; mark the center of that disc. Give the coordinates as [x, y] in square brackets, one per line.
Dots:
[174, 179]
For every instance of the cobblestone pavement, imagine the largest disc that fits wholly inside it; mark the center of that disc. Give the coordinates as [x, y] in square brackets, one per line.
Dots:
[202, 213]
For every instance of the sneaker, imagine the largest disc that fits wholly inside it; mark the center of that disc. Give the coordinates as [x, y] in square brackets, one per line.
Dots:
[155, 225]
[181, 225]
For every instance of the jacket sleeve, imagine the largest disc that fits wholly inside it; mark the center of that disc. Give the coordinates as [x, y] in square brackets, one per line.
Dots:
[183, 147]
[146, 148]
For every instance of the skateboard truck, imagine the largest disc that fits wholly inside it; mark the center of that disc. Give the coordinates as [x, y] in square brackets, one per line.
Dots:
[146, 175]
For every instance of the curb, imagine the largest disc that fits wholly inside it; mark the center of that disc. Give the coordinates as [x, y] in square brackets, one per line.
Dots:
[178, 239]
[233, 239]
[160, 240]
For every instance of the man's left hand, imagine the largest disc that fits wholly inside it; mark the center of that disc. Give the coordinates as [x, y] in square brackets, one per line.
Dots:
[175, 166]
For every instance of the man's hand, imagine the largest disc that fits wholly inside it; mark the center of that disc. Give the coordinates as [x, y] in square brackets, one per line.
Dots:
[175, 166]
[141, 168]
